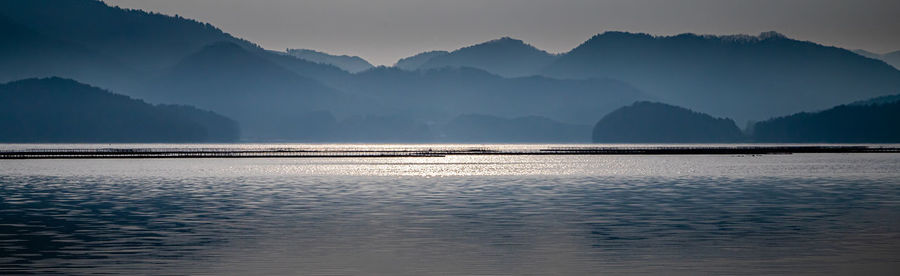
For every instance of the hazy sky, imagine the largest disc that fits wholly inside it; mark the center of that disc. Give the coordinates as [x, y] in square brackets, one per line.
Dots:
[383, 31]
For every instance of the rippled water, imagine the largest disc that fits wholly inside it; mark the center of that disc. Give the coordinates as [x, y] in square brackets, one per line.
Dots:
[456, 215]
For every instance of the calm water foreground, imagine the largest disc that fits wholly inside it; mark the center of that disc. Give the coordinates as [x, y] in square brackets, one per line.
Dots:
[794, 214]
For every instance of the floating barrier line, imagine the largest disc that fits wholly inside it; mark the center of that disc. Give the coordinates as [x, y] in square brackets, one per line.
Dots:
[136, 153]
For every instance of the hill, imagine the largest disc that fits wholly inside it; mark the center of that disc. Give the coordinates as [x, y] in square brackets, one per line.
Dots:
[25, 53]
[879, 100]
[414, 62]
[61, 110]
[856, 123]
[441, 94]
[649, 122]
[267, 99]
[506, 57]
[352, 64]
[741, 77]
[144, 42]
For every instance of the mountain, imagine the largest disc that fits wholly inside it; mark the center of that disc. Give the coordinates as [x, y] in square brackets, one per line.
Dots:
[506, 56]
[649, 122]
[892, 58]
[62, 110]
[472, 128]
[439, 95]
[878, 100]
[268, 100]
[414, 62]
[872, 123]
[25, 53]
[143, 42]
[741, 77]
[352, 64]
[867, 54]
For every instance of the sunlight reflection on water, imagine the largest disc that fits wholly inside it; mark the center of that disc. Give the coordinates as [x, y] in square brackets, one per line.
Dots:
[456, 215]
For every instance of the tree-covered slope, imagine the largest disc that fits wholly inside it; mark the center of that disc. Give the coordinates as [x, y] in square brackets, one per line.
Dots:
[649, 122]
[61, 110]
[877, 122]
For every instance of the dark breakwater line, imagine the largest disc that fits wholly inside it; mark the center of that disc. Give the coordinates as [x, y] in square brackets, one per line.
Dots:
[113, 153]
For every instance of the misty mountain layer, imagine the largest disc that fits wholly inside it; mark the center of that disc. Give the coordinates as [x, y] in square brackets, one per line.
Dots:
[319, 97]
[61, 110]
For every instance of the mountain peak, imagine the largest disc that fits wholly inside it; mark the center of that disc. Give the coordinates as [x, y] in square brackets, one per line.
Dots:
[771, 35]
[503, 42]
[504, 56]
[352, 64]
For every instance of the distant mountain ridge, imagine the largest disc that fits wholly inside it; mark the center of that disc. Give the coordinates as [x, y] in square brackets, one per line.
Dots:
[279, 97]
[505, 56]
[650, 122]
[267, 99]
[144, 42]
[744, 77]
[25, 53]
[892, 58]
[741, 77]
[878, 100]
[352, 64]
[856, 123]
[414, 62]
[62, 110]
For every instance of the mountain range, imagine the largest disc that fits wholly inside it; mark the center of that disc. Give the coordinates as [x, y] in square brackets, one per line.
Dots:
[306, 95]
[748, 78]
[892, 58]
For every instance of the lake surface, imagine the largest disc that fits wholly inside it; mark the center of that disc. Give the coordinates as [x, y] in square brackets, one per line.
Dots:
[799, 214]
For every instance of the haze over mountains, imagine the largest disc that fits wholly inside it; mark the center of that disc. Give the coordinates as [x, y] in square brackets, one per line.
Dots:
[748, 78]
[892, 58]
[467, 94]
[61, 110]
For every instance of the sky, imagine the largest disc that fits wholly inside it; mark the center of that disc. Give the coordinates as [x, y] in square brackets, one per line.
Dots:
[383, 31]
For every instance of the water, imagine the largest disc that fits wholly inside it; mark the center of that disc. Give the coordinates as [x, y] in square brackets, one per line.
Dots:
[794, 214]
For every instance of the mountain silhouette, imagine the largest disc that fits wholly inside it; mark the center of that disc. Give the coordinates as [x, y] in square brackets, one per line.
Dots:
[25, 53]
[473, 128]
[352, 64]
[875, 122]
[277, 96]
[441, 94]
[879, 100]
[268, 100]
[62, 110]
[650, 122]
[142, 40]
[414, 62]
[741, 77]
[506, 57]
[892, 58]
[145, 42]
